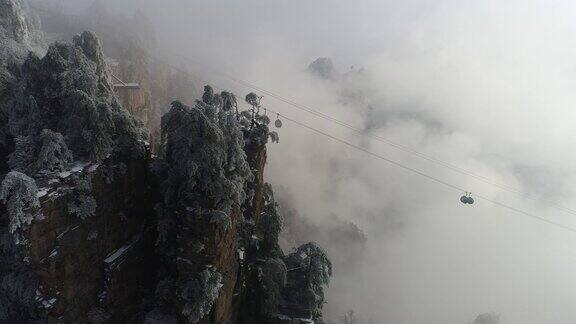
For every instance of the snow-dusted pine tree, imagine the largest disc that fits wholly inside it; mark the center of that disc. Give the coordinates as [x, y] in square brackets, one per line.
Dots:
[312, 269]
[272, 279]
[54, 154]
[200, 293]
[18, 193]
[269, 223]
[205, 158]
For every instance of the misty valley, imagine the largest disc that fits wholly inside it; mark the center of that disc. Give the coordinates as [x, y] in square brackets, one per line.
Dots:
[287, 162]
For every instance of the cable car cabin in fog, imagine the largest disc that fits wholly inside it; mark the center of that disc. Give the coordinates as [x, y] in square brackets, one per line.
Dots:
[278, 122]
[467, 199]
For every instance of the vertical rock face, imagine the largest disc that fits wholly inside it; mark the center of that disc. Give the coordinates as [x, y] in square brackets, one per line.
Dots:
[167, 85]
[93, 229]
[84, 246]
[205, 174]
[133, 65]
[159, 86]
[93, 268]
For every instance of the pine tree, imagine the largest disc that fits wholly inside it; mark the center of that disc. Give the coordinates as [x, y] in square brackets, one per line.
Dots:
[18, 193]
[200, 293]
[315, 269]
[270, 223]
[272, 279]
[54, 154]
[205, 158]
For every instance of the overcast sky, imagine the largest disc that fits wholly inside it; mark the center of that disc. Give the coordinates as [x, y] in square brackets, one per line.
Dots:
[485, 85]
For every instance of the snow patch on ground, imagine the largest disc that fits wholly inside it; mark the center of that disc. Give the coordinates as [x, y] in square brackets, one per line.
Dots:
[42, 192]
[68, 229]
[93, 167]
[118, 253]
[64, 175]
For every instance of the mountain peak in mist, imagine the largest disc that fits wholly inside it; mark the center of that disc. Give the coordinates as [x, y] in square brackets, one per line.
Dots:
[488, 318]
[322, 67]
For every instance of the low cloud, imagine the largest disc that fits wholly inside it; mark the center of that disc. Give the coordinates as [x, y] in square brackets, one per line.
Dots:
[487, 86]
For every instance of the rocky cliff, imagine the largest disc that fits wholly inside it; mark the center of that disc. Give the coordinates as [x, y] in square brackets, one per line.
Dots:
[95, 229]
[129, 44]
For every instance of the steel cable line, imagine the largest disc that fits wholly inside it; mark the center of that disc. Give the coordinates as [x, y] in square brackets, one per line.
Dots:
[421, 173]
[359, 131]
[401, 147]
[398, 146]
[398, 164]
[410, 169]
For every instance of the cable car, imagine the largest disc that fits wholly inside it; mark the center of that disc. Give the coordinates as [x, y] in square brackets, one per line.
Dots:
[467, 199]
[278, 122]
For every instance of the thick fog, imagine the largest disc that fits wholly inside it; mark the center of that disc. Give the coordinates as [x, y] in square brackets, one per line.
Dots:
[484, 85]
